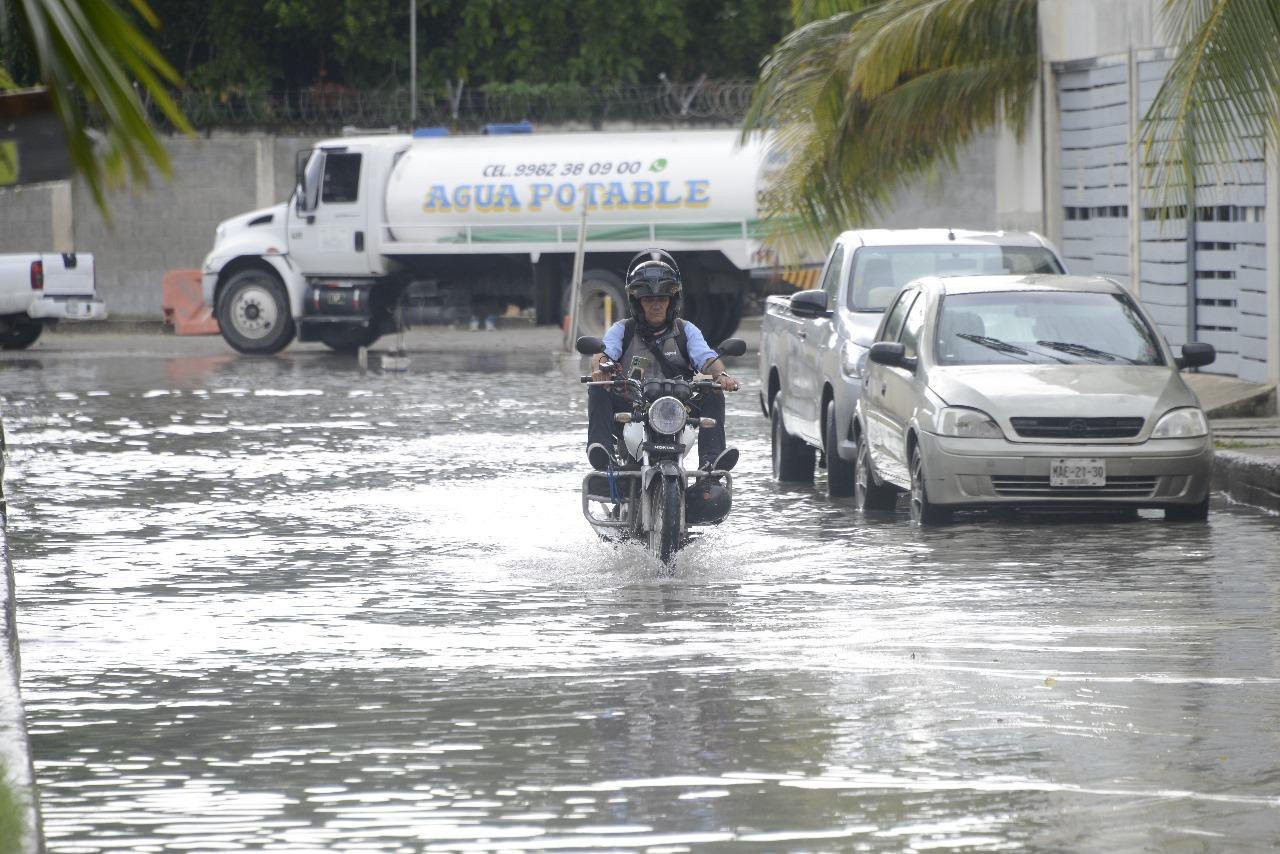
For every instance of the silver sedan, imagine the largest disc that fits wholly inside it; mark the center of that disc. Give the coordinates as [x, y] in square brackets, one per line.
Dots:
[1033, 392]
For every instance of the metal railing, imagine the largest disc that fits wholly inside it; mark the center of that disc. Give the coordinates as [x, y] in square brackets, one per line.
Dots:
[705, 102]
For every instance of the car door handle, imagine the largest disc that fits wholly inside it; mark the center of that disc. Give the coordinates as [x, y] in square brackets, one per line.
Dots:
[803, 335]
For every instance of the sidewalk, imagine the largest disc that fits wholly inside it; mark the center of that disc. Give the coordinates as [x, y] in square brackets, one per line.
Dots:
[1246, 431]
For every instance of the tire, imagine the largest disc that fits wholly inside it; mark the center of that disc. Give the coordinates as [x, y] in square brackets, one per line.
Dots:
[349, 339]
[839, 472]
[21, 334]
[253, 313]
[1198, 512]
[596, 285]
[664, 535]
[923, 512]
[793, 459]
[868, 492]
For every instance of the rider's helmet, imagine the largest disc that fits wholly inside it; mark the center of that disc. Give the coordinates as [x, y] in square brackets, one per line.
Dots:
[653, 273]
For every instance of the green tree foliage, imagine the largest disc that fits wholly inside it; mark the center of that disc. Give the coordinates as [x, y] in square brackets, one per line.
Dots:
[294, 44]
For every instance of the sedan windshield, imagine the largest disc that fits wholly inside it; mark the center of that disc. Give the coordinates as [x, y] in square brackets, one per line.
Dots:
[1043, 327]
[879, 272]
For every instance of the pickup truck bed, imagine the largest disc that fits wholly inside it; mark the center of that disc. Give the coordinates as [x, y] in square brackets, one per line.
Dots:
[41, 288]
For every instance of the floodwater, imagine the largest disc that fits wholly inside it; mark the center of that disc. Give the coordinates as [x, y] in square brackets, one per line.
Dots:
[282, 604]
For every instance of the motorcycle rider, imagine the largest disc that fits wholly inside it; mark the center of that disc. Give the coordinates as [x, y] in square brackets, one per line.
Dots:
[666, 346]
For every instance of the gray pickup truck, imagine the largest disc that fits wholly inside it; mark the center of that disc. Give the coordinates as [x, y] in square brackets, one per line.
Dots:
[813, 345]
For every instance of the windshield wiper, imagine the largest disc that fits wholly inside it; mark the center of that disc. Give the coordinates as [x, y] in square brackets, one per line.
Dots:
[994, 343]
[1084, 350]
[1005, 347]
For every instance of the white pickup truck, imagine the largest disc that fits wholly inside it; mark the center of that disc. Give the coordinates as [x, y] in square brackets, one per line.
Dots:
[813, 345]
[41, 288]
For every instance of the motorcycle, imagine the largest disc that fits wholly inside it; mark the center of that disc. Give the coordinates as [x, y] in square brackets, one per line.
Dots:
[650, 497]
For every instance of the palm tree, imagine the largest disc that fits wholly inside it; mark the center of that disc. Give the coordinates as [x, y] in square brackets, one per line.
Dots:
[94, 62]
[1222, 91]
[865, 96]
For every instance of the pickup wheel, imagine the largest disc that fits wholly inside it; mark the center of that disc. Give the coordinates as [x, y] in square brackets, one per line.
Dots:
[253, 313]
[22, 332]
[869, 492]
[793, 459]
[840, 480]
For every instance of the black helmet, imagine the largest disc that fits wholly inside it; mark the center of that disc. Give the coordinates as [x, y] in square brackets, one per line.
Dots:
[653, 273]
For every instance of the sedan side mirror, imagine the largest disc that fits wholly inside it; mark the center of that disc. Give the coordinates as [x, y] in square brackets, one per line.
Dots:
[589, 345]
[732, 347]
[810, 304]
[1196, 354]
[893, 354]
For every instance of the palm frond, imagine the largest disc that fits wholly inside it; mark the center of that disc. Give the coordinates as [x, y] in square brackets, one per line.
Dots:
[863, 102]
[89, 49]
[1221, 93]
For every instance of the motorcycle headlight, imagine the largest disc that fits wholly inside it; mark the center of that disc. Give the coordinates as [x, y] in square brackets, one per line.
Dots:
[967, 424]
[1186, 423]
[853, 359]
[667, 415]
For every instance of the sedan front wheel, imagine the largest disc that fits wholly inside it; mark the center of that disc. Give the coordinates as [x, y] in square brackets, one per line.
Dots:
[924, 512]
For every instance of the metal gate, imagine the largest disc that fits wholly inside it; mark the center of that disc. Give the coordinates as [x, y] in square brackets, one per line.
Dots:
[1201, 270]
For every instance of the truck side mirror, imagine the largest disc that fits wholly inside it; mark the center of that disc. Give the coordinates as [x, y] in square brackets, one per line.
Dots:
[589, 345]
[810, 304]
[1196, 354]
[732, 347]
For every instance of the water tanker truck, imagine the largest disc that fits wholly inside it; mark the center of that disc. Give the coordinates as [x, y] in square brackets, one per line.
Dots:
[449, 228]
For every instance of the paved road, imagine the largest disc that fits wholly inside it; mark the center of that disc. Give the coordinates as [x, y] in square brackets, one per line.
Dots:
[285, 603]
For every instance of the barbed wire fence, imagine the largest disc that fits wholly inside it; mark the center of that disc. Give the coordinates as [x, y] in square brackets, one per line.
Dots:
[701, 103]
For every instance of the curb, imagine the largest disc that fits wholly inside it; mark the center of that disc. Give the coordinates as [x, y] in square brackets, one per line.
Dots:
[1248, 479]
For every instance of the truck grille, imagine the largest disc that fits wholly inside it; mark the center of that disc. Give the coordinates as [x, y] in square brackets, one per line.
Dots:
[1025, 486]
[1077, 428]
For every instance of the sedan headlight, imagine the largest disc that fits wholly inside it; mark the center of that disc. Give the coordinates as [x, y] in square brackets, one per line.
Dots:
[667, 415]
[852, 359]
[1186, 423]
[965, 423]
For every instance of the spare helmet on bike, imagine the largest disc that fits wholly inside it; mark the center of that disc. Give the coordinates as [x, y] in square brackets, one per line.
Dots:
[653, 273]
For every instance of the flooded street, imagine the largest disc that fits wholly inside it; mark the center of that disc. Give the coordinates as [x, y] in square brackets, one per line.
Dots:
[283, 604]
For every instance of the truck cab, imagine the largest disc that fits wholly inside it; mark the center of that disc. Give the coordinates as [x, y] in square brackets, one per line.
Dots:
[814, 344]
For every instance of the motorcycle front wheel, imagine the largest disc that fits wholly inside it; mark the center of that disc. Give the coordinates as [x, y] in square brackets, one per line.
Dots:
[664, 535]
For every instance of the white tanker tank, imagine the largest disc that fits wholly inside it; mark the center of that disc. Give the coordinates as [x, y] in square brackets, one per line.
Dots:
[455, 228]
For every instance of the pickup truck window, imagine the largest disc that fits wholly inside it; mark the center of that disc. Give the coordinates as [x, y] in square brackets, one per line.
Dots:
[879, 272]
[831, 281]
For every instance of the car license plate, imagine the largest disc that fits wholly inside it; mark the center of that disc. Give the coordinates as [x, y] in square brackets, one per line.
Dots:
[1077, 472]
[79, 308]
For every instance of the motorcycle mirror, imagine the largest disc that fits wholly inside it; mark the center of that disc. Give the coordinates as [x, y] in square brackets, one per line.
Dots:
[589, 345]
[732, 347]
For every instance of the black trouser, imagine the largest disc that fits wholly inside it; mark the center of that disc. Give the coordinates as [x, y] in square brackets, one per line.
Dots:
[603, 403]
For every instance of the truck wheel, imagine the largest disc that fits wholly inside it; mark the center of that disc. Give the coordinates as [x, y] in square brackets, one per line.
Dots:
[349, 339]
[793, 459]
[21, 334]
[596, 285]
[253, 313]
[839, 473]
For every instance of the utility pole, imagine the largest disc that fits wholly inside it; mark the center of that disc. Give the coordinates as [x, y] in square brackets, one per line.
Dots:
[413, 64]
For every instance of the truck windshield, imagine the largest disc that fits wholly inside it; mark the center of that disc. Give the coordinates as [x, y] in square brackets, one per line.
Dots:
[879, 272]
[1043, 327]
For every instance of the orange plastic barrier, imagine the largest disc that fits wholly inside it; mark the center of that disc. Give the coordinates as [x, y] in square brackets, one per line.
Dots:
[183, 304]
